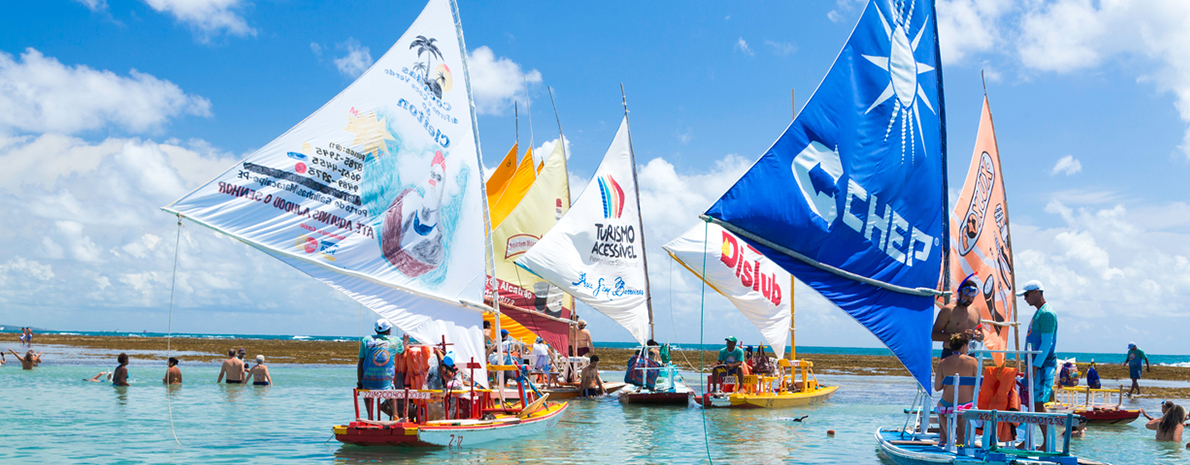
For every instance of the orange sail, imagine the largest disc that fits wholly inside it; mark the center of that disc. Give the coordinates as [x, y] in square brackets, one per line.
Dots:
[501, 176]
[980, 240]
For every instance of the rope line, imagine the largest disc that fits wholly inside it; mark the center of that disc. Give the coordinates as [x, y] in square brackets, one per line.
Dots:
[170, 329]
[702, 308]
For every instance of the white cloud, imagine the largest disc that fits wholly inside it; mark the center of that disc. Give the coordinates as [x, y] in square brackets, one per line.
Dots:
[1106, 262]
[967, 26]
[39, 94]
[781, 48]
[1067, 165]
[93, 246]
[316, 48]
[843, 10]
[207, 17]
[742, 46]
[685, 136]
[94, 5]
[356, 61]
[546, 148]
[1068, 35]
[497, 82]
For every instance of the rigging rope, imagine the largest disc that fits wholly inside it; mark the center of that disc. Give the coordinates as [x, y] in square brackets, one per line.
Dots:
[702, 308]
[170, 328]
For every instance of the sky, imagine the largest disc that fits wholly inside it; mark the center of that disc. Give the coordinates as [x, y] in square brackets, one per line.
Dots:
[111, 109]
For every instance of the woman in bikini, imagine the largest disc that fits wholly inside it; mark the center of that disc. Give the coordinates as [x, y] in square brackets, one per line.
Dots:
[966, 367]
[1169, 425]
[260, 373]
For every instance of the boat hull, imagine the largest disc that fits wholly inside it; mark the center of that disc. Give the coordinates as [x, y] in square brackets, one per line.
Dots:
[573, 392]
[1109, 417]
[460, 433]
[657, 398]
[767, 400]
[901, 449]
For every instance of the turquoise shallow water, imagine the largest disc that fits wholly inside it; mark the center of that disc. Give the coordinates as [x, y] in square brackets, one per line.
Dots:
[50, 415]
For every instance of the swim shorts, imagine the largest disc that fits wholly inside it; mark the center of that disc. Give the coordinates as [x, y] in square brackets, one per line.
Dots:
[1134, 372]
[1043, 384]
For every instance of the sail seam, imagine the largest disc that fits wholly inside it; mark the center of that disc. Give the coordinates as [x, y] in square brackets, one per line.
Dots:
[920, 291]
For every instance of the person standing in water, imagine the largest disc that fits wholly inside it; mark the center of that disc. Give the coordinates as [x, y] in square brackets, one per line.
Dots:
[1135, 356]
[592, 384]
[120, 375]
[233, 368]
[260, 373]
[29, 360]
[173, 374]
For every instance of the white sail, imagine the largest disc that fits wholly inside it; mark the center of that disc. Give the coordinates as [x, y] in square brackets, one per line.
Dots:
[378, 193]
[595, 251]
[756, 285]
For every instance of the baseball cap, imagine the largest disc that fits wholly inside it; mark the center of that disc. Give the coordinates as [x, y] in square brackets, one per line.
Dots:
[503, 332]
[1131, 345]
[731, 339]
[383, 325]
[1033, 285]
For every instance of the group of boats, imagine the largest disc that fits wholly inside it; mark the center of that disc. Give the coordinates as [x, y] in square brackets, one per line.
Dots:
[381, 195]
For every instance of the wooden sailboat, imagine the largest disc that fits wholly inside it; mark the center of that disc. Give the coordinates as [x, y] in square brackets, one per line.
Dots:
[763, 293]
[379, 195]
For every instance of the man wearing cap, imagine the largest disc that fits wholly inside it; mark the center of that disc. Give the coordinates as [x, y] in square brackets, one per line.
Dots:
[958, 317]
[1042, 337]
[730, 358]
[1135, 355]
[377, 368]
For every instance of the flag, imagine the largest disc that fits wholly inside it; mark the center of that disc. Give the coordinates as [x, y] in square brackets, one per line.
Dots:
[852, 195]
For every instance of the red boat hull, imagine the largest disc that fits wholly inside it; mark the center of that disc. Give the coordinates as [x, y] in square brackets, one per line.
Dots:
[1109, 416]
[666, 398]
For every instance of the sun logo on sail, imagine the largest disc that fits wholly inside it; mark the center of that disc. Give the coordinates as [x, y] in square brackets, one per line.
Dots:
[613, 197]
[903, 69]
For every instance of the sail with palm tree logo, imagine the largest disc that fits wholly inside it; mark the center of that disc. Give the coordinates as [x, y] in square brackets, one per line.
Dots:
[374, 195]
[851, 198]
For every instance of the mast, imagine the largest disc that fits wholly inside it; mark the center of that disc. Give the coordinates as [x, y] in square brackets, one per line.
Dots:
[529, 106]
[566, 169]
[487, 220]
[792, 280]
[516, 118]
[640, 217]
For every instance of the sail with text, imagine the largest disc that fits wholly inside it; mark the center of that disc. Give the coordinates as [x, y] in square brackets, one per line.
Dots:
[980, 245]
[377, 193]
[536, 307]
[759, 288]
[594, 253]
[851, 198]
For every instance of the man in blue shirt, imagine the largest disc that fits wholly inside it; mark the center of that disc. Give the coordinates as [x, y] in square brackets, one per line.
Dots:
[730, 359]
[377, 362]
[1135, 356]
[1042, 337]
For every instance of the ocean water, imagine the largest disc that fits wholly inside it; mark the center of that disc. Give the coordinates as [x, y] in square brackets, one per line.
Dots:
[51, 415]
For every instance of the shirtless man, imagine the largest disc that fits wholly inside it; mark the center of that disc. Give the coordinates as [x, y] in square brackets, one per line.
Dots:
[233, 367]
[173, 374]
[958, 317]
[582, 343]
[592, 384]
[29, 360]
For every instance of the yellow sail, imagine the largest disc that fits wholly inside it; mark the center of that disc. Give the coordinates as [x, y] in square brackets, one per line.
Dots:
[499, 179]
[512, 194]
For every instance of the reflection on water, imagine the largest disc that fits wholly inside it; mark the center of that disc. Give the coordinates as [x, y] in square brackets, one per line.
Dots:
[292, 422]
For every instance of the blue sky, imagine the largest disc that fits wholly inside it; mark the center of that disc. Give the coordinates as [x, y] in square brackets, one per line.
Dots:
[110, 109]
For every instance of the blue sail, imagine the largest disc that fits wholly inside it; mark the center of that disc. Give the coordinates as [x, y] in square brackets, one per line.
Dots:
[851, 199]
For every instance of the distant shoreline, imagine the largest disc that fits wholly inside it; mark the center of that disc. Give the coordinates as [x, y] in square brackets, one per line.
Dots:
[345, 352]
